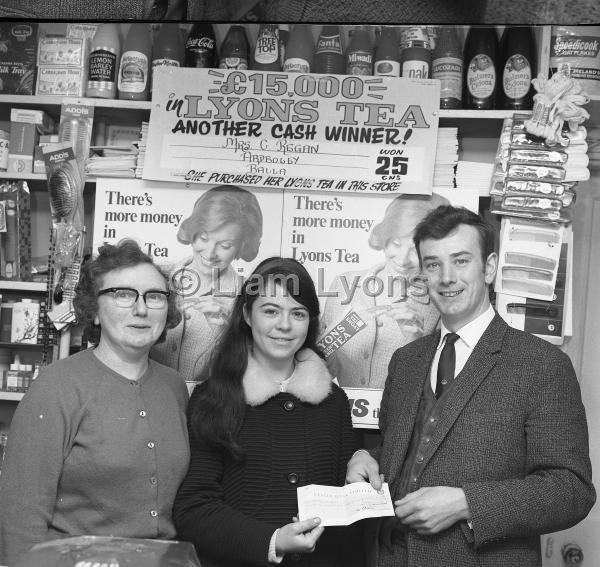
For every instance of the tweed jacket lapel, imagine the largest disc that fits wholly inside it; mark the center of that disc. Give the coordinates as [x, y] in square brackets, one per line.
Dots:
[478, 366]
[402, 419]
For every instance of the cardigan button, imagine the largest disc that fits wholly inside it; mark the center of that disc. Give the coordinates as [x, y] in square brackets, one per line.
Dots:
[293, 478]
[288, 405]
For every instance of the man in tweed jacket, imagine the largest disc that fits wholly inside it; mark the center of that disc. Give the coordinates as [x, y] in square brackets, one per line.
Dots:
[500, 454]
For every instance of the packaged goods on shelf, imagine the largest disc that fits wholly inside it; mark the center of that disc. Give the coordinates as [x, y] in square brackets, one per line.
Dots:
[18, 41]
[53, 80]
[62, 51]
[15, 231]
[25, 128]
[25, 321]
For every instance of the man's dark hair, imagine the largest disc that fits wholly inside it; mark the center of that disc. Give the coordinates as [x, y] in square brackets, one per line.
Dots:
[440, 222]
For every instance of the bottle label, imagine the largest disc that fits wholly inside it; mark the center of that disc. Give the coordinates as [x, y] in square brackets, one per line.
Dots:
[165, 62]
[329, 44]
[481, 76]
[296, 65]
[360, 63]
[133, 73]
[516, 78]
[200, 44]
[449, 71]
[266, 50]
[102, 66]
[233, 63]
[387, 68]
[415, 69]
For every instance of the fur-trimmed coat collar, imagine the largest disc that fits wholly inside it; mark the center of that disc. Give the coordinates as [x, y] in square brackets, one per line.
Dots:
[311, 381]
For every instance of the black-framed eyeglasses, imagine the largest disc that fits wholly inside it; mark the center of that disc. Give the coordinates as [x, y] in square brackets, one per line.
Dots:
[127, 296]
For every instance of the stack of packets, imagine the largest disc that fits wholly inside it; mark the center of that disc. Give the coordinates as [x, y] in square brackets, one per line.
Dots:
[142, 150]
[446, 157]
[112, 161]
[533, 188]
[474, 175]
[534, 180]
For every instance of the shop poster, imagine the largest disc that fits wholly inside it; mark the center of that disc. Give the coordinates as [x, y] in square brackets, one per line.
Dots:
[357, 248]
[339, 133]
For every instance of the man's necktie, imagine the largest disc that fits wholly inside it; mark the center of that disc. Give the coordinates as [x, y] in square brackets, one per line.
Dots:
[446, 364]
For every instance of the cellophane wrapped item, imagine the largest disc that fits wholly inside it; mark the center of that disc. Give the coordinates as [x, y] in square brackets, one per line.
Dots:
[99, 551]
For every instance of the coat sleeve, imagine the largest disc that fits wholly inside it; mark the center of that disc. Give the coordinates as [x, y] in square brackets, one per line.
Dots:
[39, 441]
[203, 518]
[556, 490]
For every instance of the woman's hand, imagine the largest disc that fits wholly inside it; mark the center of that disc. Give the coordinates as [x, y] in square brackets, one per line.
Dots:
[216, 309]
[299, 537]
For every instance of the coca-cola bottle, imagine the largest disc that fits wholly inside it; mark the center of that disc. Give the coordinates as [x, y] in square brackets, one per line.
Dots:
[267, 50]
[329, 53]
[201, 46]
[518, 67]
[481, 77]
[447, 67]
[387, 55]
[234, 51]
[359, 57]
[299, 51]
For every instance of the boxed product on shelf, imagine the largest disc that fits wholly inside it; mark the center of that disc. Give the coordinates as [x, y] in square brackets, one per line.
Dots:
[21, 145]
[44, 122]
[62, 51]
[25, 322]
[15, 232]
[18, 51]
[60, 81]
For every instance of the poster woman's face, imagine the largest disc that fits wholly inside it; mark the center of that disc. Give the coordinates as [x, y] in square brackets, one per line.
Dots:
[400, 252]
[215, 249]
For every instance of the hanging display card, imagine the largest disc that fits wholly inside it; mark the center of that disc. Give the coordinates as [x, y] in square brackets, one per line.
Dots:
[340, 133]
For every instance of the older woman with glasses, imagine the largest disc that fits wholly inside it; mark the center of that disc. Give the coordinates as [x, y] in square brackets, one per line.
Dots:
[98, 445]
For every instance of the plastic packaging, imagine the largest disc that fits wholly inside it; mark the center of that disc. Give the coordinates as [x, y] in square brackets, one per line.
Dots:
[481, 53]
[329, 53]
[104, 62]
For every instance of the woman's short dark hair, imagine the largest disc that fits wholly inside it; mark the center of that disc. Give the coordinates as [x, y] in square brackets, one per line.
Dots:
[125, 254]
[216, 410]
[226, 204]
[440, 222]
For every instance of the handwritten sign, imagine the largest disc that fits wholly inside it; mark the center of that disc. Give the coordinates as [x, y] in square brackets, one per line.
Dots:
[297, 131]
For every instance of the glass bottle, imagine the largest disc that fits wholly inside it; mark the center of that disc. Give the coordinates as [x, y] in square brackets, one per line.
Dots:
[284, 35]
[267, 49]
[234, 51]
[299, 52]
[103, 62]
[133, 83]
[415, 60]
[168, 49]
[480, 73]
[447, 67]
[201, 46]
[387, 54]
[329, 53]
[359, 57]
[518, 67]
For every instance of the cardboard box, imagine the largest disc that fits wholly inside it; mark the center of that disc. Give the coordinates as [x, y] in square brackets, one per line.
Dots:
[18, 57]
[22, 142]
[44, 122]
[60, 81]
[25, 322]
[62, 51]
[15, 234]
